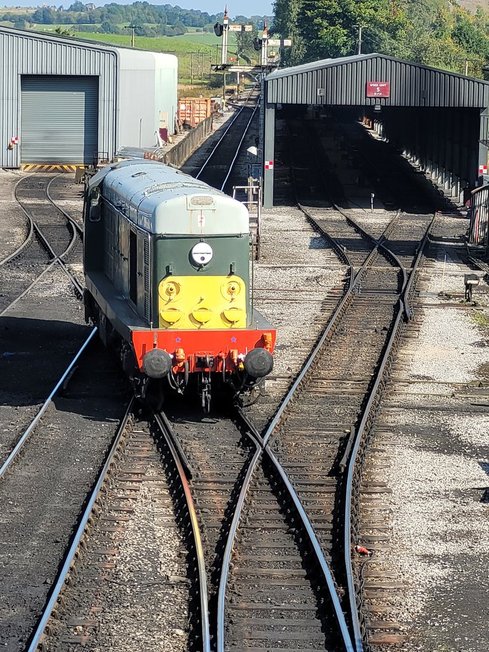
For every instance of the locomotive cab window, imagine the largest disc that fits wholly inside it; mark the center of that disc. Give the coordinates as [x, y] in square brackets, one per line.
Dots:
[133, 267]
[94, 213]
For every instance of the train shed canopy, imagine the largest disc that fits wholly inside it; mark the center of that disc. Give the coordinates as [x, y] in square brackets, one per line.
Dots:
[370, 79]
[438, 106]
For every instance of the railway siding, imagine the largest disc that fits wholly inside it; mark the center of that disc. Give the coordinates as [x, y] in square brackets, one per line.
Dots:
[427, 528]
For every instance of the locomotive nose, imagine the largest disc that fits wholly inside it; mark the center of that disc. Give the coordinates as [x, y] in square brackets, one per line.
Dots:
[157, 363]
[258, 363]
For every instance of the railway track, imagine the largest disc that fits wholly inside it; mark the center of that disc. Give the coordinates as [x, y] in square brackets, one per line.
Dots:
[417, 412]
[217, 169]
[52, 236]
[143, 472]
[279, 566]
[336, 398]
[52, 447]
[219, 461]
[45, 480]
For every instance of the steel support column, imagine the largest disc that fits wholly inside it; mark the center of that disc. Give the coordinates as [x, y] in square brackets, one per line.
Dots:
[484, 143]
[268, 154]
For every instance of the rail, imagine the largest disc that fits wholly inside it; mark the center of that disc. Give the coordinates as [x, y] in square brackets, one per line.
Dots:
[14, 453]
[36, 638]
[225, 133]
[181, 464]
[262, 449]
[54, 256]
[360, 438]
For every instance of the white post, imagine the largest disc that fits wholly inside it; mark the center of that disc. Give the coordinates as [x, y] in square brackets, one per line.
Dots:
[225, 30]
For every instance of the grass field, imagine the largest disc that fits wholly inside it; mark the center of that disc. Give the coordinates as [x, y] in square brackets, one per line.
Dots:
[196, 51]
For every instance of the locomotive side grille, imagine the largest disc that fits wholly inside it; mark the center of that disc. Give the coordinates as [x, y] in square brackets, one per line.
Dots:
[109, 245]
[147, 285]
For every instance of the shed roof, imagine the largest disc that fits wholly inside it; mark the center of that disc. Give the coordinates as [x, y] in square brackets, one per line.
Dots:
[350, 81]
[145, 59]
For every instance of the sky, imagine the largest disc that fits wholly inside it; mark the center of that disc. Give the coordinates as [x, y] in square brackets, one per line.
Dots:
[235, 7]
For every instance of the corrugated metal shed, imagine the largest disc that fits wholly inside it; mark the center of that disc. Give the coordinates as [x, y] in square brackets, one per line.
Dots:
[28, 53]
[344, 82]
[438, 119]
[137, 90]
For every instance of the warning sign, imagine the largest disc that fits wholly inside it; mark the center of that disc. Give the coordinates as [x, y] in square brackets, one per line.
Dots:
[378, 89]
[268, 165]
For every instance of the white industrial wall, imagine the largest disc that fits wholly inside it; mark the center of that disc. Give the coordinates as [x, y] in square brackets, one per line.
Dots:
[147, 89]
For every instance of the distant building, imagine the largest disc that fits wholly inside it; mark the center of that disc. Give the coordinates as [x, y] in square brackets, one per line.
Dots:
[67, 102]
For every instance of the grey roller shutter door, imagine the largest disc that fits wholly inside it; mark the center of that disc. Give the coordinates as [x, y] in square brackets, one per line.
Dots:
[59, 119]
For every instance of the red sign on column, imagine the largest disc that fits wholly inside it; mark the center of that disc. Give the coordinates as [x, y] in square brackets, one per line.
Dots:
[268, 165]
[378, 89]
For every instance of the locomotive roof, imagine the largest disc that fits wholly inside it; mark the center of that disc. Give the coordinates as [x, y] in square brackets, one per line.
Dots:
[163, 200]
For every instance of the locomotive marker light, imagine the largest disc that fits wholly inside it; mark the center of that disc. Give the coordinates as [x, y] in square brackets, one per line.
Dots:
[201, 254]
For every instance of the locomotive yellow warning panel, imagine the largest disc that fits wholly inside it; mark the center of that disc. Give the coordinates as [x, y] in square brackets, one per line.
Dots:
[202, 302]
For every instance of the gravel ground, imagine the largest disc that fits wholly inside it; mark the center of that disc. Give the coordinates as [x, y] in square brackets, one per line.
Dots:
[434, 427]
[132, 573]
[43, 492]
[38, 338]
[437, 416]
[12, 219]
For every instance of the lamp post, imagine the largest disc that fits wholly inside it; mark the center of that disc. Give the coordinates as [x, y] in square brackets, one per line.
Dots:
[132, 28]
[360, 28]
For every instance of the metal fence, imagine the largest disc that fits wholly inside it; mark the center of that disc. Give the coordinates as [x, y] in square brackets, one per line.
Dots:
[186, 147]
[479, 216]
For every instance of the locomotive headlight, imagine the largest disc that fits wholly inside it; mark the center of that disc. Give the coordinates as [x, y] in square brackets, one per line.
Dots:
[171, 289]
[201, 254]
[232, 288]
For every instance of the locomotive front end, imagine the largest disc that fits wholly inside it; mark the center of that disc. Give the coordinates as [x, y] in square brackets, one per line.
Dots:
[202, 300]
[175, 286]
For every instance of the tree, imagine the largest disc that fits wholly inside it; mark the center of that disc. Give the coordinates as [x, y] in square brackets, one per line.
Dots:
[285, 24]
[109, 28]
[77, 7]
[45, 16]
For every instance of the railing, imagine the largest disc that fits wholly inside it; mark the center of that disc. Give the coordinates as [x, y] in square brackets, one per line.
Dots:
[186, 147]
[251, 197]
